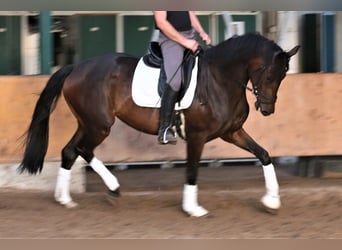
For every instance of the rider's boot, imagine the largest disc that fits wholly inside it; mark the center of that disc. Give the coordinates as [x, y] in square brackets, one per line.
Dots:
[166, 134]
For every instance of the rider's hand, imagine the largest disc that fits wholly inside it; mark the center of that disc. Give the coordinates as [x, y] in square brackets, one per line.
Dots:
[191, 44]
[206, 38]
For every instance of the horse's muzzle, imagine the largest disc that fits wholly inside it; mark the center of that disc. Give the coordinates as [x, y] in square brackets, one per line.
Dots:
[265, 109]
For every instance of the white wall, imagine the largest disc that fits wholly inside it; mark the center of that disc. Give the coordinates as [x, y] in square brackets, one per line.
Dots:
[288, 35]
[30, 63]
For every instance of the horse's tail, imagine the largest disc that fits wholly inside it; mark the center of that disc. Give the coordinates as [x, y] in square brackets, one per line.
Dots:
[37, 135]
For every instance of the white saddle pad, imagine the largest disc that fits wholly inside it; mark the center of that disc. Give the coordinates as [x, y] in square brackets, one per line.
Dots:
[145, 87]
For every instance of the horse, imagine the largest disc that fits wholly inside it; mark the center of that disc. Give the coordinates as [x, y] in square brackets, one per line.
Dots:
[98, 90]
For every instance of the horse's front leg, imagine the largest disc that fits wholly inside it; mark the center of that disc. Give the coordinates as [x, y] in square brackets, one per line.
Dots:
[190, 193]
[241, 139]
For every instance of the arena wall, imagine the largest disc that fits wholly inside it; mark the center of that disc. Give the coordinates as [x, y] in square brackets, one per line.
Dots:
[307, 121]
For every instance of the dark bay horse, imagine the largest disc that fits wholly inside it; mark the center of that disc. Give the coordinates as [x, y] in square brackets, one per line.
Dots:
[99, 89]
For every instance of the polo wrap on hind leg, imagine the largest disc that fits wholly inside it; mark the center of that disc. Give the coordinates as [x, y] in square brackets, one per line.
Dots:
[109, 179]
[62, 190]
[271, 199]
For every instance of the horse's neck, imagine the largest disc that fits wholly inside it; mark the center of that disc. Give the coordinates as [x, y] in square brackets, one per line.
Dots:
[229, 77]
[221, 86]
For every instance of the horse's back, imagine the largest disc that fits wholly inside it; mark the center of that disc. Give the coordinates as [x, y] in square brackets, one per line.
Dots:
[99, 70]
[98, 67]
[89, 88]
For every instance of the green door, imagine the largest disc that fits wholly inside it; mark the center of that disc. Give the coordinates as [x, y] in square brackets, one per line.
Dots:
[10, 63]
[138, 31]
[204, 20]
[97, 35]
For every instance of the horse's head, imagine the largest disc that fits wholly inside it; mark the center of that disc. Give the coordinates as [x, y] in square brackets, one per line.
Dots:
[266, 78]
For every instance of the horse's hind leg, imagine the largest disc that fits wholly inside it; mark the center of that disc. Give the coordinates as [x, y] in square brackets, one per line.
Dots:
[69, 155]
[89, 141]
[241, 139]
[82, 143]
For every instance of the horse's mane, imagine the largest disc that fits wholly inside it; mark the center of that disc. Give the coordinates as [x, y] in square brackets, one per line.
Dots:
[241, 47]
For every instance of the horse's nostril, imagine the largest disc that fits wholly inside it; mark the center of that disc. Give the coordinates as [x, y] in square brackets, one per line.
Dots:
[265, 112]
[256, 105]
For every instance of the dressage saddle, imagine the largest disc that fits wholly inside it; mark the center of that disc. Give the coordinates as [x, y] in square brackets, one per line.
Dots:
[155, 59]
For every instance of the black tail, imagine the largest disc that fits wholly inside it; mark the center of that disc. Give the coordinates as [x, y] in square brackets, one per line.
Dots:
[37, 136]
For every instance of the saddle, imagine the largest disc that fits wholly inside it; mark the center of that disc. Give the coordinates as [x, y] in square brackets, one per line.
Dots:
[155, 59]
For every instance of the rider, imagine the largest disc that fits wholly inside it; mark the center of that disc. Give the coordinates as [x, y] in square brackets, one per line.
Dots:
[177, 33]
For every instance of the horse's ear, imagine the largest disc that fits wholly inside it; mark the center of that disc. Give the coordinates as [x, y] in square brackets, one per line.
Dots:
[293, 51]
[277, 55]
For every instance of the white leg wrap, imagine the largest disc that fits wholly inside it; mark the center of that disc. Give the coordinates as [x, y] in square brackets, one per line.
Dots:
[190, 204]
[271, 199]
[109, 179]
[62, 190]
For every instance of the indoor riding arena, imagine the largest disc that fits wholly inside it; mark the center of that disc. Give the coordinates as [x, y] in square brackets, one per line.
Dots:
[302, 136]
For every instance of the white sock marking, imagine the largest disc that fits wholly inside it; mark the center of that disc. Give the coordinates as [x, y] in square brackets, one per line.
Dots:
[109, 179]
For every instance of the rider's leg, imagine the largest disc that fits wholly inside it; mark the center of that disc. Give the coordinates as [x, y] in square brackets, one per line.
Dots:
[172, 59]
[165, 133]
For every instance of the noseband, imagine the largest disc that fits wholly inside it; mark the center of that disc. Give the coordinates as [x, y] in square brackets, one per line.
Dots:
[261, 98]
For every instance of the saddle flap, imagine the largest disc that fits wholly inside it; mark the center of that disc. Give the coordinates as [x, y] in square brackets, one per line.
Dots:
[145, 87]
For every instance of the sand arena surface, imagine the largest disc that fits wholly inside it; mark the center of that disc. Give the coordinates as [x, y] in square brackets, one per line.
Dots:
[150, 207]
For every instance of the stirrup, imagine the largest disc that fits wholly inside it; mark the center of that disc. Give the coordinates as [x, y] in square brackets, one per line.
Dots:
[167, 137]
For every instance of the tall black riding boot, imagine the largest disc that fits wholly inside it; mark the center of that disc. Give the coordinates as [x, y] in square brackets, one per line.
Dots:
[166, 134]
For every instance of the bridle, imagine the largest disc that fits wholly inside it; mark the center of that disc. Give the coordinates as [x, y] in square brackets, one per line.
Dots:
[261, 98]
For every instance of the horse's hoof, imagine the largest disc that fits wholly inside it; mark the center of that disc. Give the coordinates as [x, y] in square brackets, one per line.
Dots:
[67, 204]
[112, 197]
[70, 204]
[271, 203]
[196, 211]
[270, 210]
[115, 193]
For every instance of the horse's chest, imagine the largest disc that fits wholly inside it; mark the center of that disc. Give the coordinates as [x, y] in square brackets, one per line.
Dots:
[236, 119]
[239, 121]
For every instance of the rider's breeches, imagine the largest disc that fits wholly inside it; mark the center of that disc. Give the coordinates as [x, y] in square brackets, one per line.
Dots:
[172, 58]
